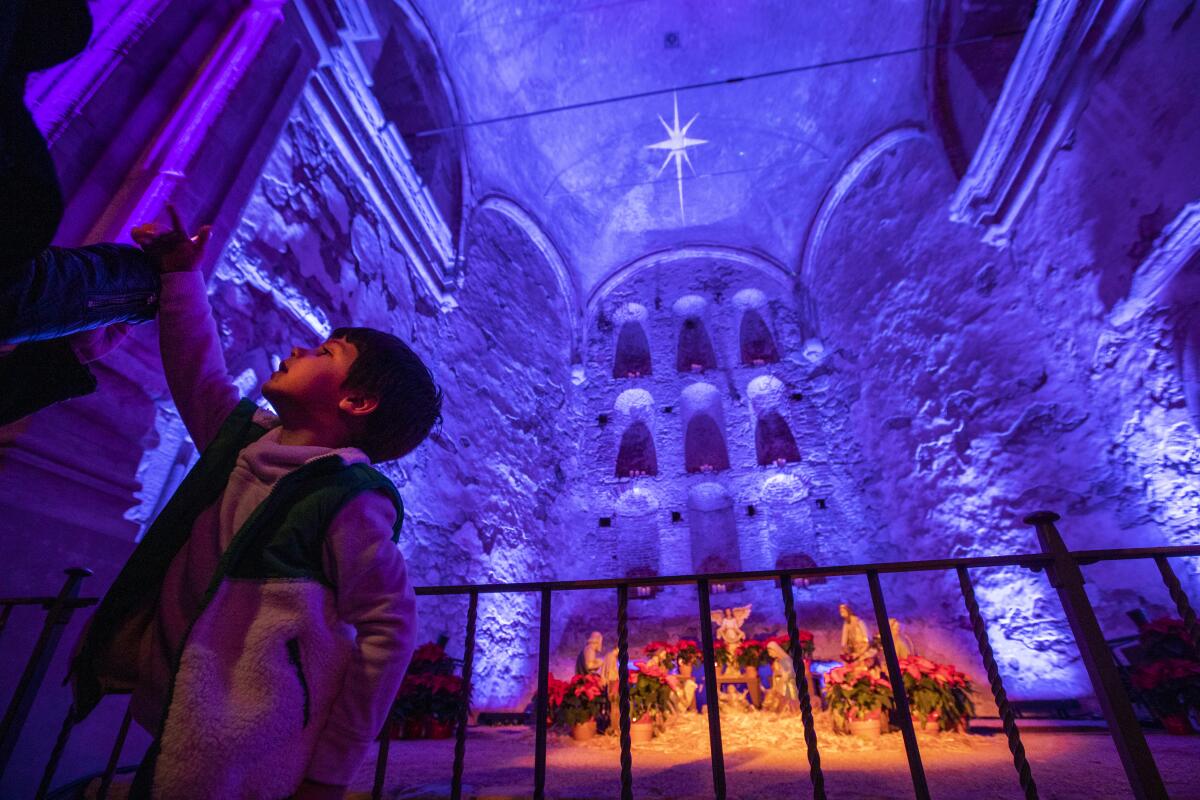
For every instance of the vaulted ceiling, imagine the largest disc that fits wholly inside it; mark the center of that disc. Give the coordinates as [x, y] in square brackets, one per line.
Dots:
[772, 145]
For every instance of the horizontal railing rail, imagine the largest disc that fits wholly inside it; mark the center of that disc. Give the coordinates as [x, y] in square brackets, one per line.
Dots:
[1062, 567]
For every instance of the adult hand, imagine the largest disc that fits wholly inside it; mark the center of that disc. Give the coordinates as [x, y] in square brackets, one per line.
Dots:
[172, 249]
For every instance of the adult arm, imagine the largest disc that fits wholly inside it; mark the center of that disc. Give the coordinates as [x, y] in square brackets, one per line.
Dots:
[375, 597]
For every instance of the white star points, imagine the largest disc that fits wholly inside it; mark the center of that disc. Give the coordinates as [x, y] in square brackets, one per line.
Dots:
[676, 145]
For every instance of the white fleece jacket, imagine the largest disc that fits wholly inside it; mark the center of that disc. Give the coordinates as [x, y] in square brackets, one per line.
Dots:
[373, 595]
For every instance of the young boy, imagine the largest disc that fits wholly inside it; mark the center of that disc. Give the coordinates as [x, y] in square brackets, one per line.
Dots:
[265, 620]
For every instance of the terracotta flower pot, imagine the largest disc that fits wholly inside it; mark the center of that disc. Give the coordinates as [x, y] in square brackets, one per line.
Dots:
[583, 731]
[866, 728]
[414, 728]
[641, 731]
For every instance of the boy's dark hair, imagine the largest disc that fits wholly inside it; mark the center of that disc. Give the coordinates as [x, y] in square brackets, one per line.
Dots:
[410, 403]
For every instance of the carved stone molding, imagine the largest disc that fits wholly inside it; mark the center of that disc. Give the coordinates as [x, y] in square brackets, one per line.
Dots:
[1064, 52]
[1177, 245]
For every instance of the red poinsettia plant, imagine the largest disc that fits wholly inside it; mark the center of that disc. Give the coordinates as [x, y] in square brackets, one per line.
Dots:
[752, 653]
[803, 638]
[667, 654]
[428, 702]
[1168, 676]
[650, 691]
[687, 653]
[858, 692]
[578, 700]
[938, 692]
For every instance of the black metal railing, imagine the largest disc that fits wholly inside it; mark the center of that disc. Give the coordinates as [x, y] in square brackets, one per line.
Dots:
[1063, 568]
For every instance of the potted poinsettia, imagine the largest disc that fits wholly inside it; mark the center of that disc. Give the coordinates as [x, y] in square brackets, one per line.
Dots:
[859, 697]
[580, 703]
[649, 700]
[1167, 677]
[687, 656]
[939, 695]
[428, 702]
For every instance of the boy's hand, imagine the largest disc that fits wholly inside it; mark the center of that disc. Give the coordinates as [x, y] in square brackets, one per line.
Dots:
[171, 249]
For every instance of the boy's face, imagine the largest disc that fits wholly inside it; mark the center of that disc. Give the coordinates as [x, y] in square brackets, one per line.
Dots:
[312, 378]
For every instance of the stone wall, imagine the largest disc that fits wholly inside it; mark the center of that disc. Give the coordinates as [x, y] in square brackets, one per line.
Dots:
[991, 382]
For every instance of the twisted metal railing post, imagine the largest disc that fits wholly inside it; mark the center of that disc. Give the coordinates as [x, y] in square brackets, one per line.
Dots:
[623, 691]
[58, 614]
[464, 709]
[541, 707]
[915, 767]
[60, 744]
[1175, 588]
[1007, 717]
[110, 769]
[810, 730]
[711, 691]
[385, 741]
[1066, 577]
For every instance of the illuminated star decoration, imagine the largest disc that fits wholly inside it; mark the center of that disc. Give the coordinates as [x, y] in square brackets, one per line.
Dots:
[676, 145]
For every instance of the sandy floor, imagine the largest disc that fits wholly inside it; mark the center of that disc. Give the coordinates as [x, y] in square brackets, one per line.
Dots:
[764, 758]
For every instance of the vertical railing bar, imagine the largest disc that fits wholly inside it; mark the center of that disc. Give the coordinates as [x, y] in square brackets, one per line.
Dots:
[8, 607]
[464, 710]
[1007, 717]
[1175, 588]
[623, 708]
[58, 614]
[915, 767]
[815, 774]
[541, 706]
[1067, 579]
[385, 743]
[711, 691]
[110, 769]
[60, 744]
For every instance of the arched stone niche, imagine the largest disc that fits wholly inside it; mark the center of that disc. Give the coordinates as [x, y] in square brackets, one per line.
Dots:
[712, 527]
[773, 439]
[704, 447]
[756, 344]
[786, 520]
[636, 455]
[631, 357]
[695, 351]
[636, 523]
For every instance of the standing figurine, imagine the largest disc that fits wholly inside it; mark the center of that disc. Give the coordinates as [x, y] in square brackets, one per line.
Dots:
[904, 646]
[729, 631]
[855, 642]
[589, 660]
[783, 694]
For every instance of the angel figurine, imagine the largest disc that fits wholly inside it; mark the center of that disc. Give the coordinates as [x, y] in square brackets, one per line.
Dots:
[729, 631]
[783, 694]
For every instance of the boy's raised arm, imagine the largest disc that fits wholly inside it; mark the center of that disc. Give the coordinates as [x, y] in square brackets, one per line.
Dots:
[191, 350]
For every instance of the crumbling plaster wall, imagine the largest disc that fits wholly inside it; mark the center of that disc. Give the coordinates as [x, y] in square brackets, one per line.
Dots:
[992, 382]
